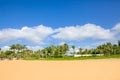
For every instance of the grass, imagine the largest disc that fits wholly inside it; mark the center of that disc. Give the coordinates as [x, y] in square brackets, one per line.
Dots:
[74, 58]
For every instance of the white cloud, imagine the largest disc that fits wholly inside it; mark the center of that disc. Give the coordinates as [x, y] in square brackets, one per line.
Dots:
[116, 31]
[94, 44]
[75, 50]
[61, 43]
[117, 27]
[38, 34]
[34, 48]
[34, 34]
[83, 32]
[4, 48]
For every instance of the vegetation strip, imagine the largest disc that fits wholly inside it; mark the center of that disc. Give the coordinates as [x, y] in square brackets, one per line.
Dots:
[53, 52]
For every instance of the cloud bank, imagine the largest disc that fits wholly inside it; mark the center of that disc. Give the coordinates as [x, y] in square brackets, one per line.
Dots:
[39, 33]
[34, 34]
[83, 32]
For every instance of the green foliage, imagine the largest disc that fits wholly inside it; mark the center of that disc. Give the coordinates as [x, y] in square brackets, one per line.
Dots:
[75, 58]
[35, 56]
[9, 53]
[58, 52]
[119, 43]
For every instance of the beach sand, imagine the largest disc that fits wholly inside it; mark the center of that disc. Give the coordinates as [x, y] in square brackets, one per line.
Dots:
[102, 69]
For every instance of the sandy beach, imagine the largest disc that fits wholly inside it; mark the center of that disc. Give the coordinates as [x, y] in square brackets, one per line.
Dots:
[103, 69]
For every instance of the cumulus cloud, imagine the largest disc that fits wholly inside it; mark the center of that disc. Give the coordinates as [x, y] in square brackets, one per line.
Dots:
[5, 48]
[116, 31]
[34, 48]
[117, 27]
[39, 34]
[34, 34]
[61, 43]
[83, 32]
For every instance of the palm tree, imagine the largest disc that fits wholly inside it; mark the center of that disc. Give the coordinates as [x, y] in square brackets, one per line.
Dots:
[109, 46]
[65, 48]
[17, 48]
[52, 50]
[80, 50]
[0, 50]
[115, 49]
[39, 53]
[119, 43]
[73, 47]
[86, 51]
[13, 47]
[26, 53]
[46, 53]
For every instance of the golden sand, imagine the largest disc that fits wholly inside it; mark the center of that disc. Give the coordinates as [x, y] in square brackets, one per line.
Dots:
[103, 69]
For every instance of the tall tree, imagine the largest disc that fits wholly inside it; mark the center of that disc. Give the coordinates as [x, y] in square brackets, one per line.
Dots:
[65, 48]
[80, 50]
[13, 47]
[0, 50]
[119, 43]
[17, 47]
[73, 47]
[39, 52]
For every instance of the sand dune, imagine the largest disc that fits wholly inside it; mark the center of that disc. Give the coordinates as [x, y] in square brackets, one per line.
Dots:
[106, 69]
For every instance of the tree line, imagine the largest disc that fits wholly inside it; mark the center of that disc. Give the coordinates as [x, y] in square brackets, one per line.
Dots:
[21, 51]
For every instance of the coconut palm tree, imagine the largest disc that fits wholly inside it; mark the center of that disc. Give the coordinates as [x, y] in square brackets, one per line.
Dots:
[46, 53]
[52, 50]
[39, 53]
[119, 43]
[18, 49]
[80, 50]
[65, 48]
[0, 50]
[73, 47]
[115, 49]
[13, 47]
[9, 54]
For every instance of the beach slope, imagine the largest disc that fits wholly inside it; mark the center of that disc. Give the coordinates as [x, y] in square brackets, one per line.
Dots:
[102, 69]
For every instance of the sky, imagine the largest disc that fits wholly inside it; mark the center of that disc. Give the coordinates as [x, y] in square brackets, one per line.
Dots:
[41, 23]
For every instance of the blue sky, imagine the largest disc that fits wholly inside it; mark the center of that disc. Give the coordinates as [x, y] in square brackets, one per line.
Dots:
[69, 15]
